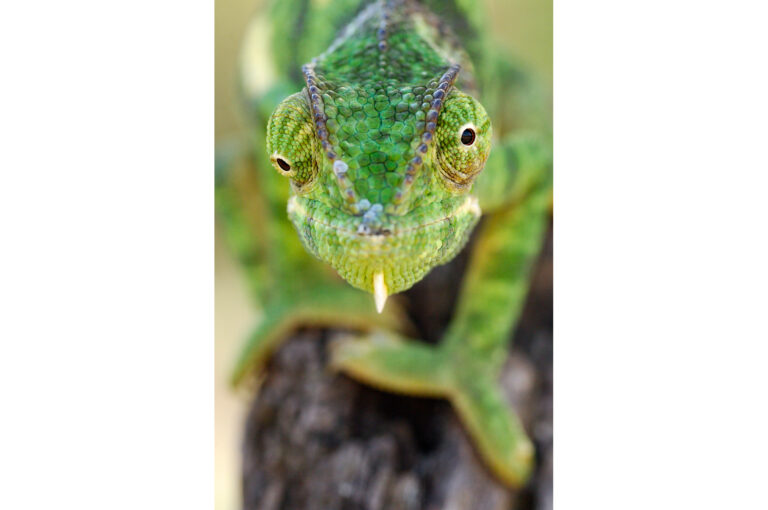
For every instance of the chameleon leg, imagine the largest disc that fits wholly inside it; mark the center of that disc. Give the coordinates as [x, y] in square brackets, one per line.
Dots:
[389, 362]
[466, 365]
[317, 305]
[493, 426]
[394, 364]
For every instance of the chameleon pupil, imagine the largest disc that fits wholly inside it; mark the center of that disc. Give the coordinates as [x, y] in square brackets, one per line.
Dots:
[468, 137]
[283, 164]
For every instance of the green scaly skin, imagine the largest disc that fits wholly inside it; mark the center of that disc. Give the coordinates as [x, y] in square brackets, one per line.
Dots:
[382, 189]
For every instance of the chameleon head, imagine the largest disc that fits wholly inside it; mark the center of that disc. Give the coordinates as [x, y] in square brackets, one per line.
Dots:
[381, 178]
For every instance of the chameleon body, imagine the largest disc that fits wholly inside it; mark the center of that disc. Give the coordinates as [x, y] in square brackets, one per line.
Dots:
[384, 158]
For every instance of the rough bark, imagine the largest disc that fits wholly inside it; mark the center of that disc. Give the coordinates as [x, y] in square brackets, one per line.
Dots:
[319, 440]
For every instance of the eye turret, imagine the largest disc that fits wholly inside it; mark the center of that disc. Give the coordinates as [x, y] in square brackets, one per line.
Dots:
[291, 142]
[463, 140]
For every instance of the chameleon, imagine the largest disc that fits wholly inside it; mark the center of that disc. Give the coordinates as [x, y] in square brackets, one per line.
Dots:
[378, 135]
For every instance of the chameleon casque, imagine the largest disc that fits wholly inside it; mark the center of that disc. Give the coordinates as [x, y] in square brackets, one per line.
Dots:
[389, 127]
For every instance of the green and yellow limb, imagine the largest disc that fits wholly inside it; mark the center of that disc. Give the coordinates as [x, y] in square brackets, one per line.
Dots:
[391, 363]
[317, 305]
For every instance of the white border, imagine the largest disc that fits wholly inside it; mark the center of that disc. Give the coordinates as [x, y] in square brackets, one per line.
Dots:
[106, 266]
[660, 255]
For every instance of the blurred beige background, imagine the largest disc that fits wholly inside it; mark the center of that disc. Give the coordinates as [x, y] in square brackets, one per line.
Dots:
[522, 28]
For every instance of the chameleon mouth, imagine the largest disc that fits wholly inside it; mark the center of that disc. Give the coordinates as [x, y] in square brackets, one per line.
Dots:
[315, 212]
[398, 250]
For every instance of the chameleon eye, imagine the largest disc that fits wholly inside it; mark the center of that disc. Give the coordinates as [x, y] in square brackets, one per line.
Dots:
[283, 164]
[468, 136]
[291, 142]
[463, 140]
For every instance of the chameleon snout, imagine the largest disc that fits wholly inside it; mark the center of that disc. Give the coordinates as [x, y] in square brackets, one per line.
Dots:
[394, 250]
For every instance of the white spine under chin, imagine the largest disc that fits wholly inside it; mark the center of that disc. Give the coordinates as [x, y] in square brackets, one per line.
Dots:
[380, 291]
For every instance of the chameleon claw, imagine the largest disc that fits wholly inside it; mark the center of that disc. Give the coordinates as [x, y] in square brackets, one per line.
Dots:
[379, 291]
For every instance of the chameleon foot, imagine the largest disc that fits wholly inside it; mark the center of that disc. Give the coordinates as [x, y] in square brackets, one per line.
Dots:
[324, 306]
[386, 361]
[392, 364]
